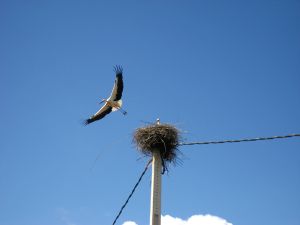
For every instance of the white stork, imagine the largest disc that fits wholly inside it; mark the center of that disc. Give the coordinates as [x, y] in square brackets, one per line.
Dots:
[114, 102]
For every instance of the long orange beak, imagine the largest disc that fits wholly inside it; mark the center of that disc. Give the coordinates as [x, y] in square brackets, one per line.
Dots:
[103, 100]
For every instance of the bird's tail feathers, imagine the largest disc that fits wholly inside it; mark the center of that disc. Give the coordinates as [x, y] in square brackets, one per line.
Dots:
[119, 105]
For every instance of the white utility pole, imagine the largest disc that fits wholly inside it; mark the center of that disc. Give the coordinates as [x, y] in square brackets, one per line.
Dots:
[155, 208]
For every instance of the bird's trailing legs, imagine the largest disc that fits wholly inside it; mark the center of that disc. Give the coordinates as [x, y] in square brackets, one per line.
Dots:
[122, 111]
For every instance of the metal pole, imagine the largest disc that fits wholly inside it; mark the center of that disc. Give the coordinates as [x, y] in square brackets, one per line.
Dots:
[155, 208]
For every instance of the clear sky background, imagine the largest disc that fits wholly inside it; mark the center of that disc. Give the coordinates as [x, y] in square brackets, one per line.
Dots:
[215, 69]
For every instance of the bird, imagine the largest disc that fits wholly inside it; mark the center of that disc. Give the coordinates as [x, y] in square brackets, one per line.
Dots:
[114, 102]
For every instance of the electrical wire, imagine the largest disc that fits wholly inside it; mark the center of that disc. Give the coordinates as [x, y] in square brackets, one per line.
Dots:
[240, 140]
[133, 190]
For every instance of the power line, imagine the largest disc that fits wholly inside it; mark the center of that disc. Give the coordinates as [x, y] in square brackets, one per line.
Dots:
[133, 190]
[239, 140]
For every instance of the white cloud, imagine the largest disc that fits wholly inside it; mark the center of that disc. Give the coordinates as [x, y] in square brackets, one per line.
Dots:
[129, 223]
[172, 220]
[193, 220]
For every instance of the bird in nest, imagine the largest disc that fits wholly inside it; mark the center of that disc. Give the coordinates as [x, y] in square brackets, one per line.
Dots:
[114, 102]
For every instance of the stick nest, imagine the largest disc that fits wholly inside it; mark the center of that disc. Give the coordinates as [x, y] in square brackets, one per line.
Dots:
[162, 137]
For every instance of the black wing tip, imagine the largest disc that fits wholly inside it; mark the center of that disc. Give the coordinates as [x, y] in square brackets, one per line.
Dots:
[86, 122]
[118, 69]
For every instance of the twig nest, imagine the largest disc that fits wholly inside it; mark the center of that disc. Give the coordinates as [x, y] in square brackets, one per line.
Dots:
[162, 137]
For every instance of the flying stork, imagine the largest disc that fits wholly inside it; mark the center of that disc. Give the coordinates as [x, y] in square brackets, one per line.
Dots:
[114, 102]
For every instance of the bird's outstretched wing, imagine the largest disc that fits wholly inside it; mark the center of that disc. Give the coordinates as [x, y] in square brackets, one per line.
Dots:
[106, 109]
[117, 90]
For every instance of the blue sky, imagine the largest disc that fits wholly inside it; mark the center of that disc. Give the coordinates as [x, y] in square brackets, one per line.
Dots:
[215, 69]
